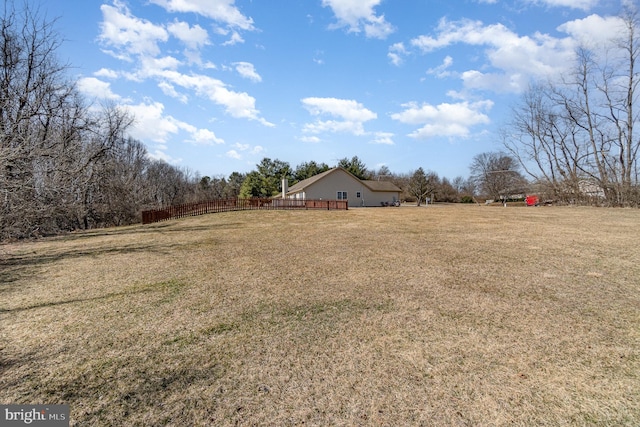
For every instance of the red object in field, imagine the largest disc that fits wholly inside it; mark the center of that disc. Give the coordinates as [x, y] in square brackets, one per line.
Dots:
[532, 200]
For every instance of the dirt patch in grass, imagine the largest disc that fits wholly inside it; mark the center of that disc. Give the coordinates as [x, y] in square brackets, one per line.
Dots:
[439, 315]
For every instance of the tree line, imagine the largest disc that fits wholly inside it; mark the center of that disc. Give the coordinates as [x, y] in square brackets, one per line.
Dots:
[577, 138]
[417, 186]
[494, 175]
[66, 164]
[571, 141]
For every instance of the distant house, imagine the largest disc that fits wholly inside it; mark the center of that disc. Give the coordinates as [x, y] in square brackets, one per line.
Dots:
[339, 184]
[591, 189]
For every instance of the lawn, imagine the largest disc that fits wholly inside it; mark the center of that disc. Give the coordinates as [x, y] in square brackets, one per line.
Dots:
[439, 315]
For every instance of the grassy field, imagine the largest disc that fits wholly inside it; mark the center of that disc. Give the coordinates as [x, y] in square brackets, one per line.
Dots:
[439, 315]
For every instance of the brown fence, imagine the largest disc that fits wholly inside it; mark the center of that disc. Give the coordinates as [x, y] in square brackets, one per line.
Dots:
[226, 205]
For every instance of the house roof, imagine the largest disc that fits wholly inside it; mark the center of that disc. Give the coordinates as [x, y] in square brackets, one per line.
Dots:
[301, 185]
[381, 186]
[371, 185]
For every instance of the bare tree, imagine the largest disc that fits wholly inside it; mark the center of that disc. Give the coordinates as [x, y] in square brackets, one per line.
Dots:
[422, 184]
[446, 191]
[63, 166]
[464, 187]
[577, 138]
[38, 106]
[496, 175]
[383, 174]
[166, 184]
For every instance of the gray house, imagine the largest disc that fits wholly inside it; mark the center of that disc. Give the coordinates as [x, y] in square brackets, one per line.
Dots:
[339, 184]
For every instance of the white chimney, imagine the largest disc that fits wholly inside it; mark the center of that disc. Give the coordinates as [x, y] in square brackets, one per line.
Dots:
[285, 187]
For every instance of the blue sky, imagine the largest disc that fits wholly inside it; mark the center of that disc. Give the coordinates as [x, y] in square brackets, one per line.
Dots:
[216, 85]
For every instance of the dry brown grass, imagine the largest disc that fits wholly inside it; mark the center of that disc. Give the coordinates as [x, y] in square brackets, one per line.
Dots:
[445, 315]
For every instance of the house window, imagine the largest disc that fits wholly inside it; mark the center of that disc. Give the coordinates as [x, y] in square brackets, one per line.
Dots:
[358, 195]
[342, 195]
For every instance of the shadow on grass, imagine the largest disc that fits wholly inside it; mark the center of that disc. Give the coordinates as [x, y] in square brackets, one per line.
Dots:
[125, 399]
[170, 286]
[174, 226]
[24, 266]
[8, 363]
[17, 267]
[106, 391]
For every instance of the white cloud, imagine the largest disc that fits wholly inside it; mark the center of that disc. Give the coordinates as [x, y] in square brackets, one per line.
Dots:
[205, 137]
[193, 37]
[236, 38]
[151, 124]
[170, 90]
[161, 155]
[319, 126]
[441, 70]
[134, 38]
[248, 71]
[310, 139]
[244, 148]
[223, 11]
[150, 67]
[594, 30]
[359, 15]
[385, 138]
[465, 31]
[95, 88]
[343, 108]
[448, 120]
[376, 27]
[396, 52]
[352, 113]
[106, 73]
[237, 104]
[258, 149]
[574, 4]
[128, 34]
[234, 154]
[515, 59]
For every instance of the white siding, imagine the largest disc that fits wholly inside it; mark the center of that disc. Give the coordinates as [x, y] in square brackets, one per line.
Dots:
[327, 189]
